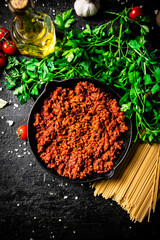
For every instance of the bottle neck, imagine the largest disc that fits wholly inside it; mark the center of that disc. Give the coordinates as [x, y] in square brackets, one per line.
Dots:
[25, 19]
[29, 13]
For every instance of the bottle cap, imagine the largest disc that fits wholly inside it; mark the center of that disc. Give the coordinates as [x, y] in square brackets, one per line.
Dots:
[19, 5]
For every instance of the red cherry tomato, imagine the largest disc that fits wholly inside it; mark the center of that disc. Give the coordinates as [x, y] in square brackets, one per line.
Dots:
[22, 132]
[4, 33]
[0, 45]
[2, 60]
[135, 13]
[9, 47]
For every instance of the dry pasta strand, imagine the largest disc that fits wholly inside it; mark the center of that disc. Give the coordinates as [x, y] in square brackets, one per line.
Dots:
[156, 180]
[134, 169]
[141, 178]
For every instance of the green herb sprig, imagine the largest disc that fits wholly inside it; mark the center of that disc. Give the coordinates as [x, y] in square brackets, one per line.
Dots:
[109, 53]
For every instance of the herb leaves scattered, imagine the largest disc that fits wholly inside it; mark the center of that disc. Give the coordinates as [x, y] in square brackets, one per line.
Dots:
[110, 53]
[65, 20]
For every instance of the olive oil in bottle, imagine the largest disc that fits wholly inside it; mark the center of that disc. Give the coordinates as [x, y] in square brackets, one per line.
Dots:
[33, 32]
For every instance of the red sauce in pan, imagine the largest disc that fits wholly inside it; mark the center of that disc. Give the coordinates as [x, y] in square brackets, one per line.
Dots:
[79, 131]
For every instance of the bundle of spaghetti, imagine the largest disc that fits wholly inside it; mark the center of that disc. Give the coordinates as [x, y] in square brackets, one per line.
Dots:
[135, 184]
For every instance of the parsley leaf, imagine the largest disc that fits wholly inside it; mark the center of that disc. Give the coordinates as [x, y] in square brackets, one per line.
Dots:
[65, 20]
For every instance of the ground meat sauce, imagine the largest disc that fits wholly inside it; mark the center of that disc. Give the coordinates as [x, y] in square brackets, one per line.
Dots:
[79, 131]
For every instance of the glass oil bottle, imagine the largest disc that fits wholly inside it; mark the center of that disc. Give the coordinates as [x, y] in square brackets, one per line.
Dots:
[33, 32]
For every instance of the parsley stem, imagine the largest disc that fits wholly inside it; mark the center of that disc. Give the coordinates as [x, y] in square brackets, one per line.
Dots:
[119, 39]
[144, 65]
[137, 52]
[98, 43]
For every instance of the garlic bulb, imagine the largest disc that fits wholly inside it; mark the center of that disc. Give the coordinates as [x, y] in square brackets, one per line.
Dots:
[86, 8]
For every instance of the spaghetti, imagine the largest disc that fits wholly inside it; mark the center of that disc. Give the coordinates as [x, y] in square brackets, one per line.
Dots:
[135, 185]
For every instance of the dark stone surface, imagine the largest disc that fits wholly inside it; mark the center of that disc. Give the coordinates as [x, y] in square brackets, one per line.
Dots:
[35, 205]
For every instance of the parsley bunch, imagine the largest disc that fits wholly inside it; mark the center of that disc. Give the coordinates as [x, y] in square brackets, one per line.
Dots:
[110, 53]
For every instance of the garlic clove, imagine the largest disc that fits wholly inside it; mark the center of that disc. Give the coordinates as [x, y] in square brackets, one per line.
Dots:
[78, 6]
[86, 8]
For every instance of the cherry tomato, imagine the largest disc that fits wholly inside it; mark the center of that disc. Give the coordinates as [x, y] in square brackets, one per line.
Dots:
[22, 132]
[9, 47]
[2, 60]
[4, 33]
[0, 45]
[135, 13]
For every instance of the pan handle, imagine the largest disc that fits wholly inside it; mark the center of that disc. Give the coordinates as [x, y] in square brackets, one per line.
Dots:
[109, 174]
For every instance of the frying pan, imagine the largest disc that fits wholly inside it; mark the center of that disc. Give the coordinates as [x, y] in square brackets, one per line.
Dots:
[71, 83]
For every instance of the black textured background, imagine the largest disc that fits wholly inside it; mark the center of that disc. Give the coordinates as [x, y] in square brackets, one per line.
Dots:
[33, 204]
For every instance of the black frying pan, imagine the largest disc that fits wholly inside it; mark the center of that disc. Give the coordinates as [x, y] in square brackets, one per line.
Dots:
[71, 83]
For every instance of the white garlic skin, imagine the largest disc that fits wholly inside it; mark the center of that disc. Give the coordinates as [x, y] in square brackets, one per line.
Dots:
[86, 8]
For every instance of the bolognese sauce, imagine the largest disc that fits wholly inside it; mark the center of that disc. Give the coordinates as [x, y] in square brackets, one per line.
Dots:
[79, 131]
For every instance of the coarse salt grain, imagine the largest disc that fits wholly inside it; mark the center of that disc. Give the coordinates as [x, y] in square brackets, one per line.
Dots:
[10, 122]
[44, 177]
[15, 105]
[156, 11]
